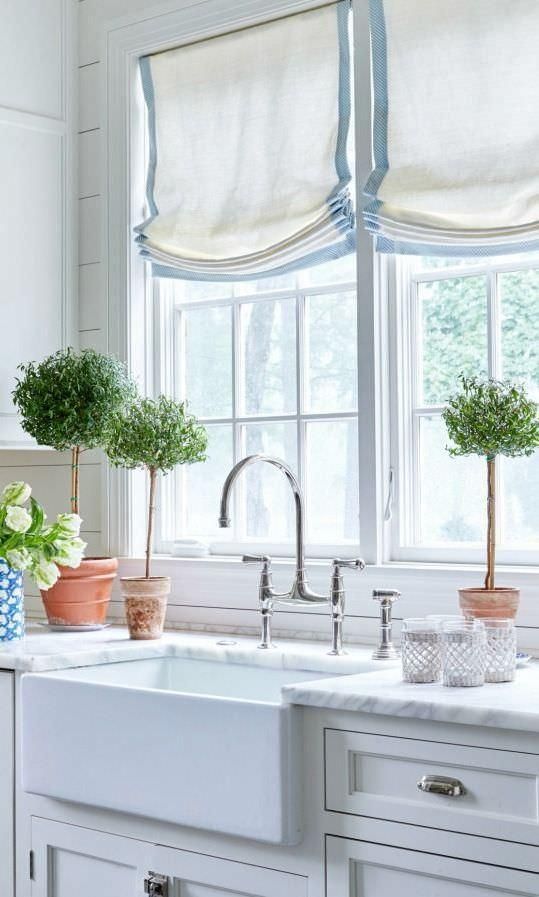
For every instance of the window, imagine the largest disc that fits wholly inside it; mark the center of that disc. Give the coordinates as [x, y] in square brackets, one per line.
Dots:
[268, 366]
[475, 318]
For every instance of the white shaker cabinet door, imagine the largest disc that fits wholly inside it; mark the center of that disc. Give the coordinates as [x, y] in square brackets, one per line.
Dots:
[70, 861]
[197, 875]
[362, 869]
[6, 784]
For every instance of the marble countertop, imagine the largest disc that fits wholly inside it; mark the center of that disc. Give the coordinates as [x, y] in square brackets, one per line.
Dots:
[43, 650]
[342, 684]
[508, 705]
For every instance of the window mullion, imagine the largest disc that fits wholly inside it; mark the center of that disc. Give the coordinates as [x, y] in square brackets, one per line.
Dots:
[237, 434]
[496, 370]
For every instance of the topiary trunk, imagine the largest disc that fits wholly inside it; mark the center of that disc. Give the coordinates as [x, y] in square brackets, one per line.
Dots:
[75, 478]
[491, 522]
[151, 517]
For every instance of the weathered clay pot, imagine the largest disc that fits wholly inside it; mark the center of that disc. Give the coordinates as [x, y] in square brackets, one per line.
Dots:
[500, 603]
[145, 603]
[82, 595]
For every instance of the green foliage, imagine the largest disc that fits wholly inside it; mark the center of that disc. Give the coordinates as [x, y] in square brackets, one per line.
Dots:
[156, 435]
[454, 325]
[70, 398]
[490, 417]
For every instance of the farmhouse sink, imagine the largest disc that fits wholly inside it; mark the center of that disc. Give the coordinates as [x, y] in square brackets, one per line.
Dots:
[198, 743]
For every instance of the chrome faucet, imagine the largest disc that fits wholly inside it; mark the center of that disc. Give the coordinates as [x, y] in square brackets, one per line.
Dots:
[300, 592]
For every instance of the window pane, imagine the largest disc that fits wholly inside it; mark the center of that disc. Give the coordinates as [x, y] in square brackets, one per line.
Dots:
[453, 315]
[341, 270]
[268, 359]
[266, 284]
[332, 482]
[520, 503]
[206, 369]
[203, 484]
[452, 501]
[331, 353]
[519, 293]
[195, 290]
[269, 505]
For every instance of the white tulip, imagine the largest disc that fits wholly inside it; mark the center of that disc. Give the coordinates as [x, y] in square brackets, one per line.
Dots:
[44, 574]
[16, 493]
[18, 519]
[69, 524]
[19, 558]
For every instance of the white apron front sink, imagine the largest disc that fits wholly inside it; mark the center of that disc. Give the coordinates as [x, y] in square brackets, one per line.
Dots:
[197, 743]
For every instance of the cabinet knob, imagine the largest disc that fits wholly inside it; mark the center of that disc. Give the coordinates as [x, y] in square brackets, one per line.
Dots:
[441, 785]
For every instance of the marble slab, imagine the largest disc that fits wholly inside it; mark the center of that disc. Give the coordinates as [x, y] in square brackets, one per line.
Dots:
[41, 650]
[507, 705]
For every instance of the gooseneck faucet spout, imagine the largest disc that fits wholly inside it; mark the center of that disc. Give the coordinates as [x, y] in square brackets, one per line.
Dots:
[300, 592]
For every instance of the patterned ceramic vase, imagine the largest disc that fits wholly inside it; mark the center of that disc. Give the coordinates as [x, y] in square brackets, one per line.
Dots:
[11, 603]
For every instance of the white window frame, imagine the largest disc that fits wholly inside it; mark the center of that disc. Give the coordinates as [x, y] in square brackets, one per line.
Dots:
[206, 586]
[167, 378]
[131, 335]
[406, 410]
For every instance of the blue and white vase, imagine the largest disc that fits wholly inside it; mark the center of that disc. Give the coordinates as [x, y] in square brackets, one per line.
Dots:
[11, 603]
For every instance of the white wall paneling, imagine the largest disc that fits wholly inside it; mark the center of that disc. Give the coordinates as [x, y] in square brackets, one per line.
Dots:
[37, 161]
[90, 230]
[89, 95]
[89, 163]
[91, 291]
[32, 50]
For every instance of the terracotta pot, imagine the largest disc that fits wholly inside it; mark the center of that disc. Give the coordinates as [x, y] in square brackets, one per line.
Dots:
[501, 603]
[81, 596]
[145, 603]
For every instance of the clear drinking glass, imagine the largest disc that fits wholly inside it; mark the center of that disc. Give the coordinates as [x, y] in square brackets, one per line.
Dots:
[420, 650]
[501, 652]
[463, 653]
[444, 618]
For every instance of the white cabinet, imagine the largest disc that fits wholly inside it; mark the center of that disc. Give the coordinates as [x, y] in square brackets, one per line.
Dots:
[6, 784]
[377, 776]
[362, 869]
[70, 860]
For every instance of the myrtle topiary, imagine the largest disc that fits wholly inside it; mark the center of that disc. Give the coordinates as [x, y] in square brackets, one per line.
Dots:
[490, 418]
[155, 435]
[68, 400]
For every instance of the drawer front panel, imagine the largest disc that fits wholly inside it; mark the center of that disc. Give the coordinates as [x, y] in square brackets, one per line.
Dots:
[362, 869]
[378, 776]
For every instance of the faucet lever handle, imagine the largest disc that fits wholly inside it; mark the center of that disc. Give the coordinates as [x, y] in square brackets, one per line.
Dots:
[257, 559]
[354, 563]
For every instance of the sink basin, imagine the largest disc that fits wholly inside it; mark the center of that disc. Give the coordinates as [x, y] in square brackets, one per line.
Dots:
[193, 742]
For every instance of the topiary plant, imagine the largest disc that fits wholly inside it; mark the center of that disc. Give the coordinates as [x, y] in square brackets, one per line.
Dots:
[68, 401]
[490, 418]
[155, 435]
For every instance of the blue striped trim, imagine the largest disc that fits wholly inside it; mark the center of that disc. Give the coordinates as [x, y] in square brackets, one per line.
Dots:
[149, 97]
[345, 94]
[380, 111]
[330, 253]
[443, 250]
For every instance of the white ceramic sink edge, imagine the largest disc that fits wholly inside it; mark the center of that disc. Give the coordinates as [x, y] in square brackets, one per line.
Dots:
[193, 742]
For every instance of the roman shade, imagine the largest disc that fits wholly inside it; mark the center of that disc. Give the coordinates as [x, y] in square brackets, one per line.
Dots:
[248, 172]
[456, 126]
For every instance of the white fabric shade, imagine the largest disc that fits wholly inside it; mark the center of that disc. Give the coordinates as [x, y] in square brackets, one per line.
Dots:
[456, 126]
[248, 173]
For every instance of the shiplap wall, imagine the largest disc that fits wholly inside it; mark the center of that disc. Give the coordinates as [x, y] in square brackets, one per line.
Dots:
[38, 69]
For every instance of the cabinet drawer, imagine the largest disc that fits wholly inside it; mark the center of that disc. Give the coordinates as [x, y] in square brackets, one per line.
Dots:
[362, 869]
[376, 775]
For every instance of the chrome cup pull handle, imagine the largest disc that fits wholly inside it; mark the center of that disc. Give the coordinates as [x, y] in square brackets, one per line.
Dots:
[443, 785]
